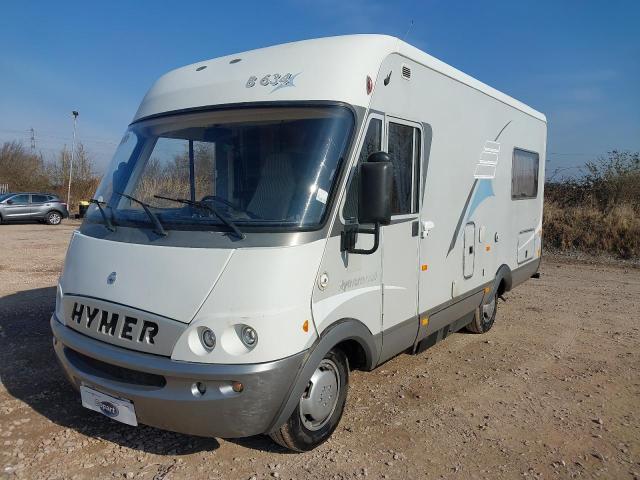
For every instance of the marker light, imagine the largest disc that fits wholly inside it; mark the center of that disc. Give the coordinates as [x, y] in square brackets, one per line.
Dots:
[369, 85]
[305, 326]
[208, 338]
[249, 337]
[237, 387]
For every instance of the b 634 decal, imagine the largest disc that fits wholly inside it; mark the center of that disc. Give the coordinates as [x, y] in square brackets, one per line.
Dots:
[275, 80]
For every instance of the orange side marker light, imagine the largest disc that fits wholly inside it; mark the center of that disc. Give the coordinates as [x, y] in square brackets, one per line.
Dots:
[488, 248]
[305, 326]
[424, 321]
[424, 267]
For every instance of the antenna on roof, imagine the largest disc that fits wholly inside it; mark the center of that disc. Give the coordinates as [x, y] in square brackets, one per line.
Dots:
[404, 38]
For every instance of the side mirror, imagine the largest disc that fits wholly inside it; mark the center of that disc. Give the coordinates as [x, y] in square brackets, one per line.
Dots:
[374, 202]
[374, 194]
[9, 202]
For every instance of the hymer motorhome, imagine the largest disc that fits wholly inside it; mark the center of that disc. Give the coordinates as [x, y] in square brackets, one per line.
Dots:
[274, 219]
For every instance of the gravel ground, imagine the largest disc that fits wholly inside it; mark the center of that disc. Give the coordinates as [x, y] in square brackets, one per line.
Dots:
[552, 391]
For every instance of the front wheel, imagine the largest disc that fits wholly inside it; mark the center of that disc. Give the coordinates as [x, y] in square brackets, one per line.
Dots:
[53, 218]
[485, 315]
[320, 407]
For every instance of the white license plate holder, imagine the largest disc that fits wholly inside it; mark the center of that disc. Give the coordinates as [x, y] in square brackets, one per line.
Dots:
[119, 409]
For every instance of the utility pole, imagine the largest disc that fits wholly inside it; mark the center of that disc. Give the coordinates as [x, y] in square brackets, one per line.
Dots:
[33, 140]
[73, 149]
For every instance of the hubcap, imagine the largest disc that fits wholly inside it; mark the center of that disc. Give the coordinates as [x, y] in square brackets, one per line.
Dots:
[321, 396]
[55, 218]
[488, 309]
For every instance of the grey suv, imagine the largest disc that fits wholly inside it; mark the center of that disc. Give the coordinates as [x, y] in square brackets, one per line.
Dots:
[32, 206]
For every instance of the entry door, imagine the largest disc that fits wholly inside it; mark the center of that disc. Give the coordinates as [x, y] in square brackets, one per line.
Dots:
[20, 206]
[400, 239]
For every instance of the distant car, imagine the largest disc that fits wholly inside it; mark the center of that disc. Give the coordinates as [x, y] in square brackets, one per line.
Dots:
[32, 206]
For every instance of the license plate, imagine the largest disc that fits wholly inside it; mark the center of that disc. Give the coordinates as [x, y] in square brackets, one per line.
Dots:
[117, 408]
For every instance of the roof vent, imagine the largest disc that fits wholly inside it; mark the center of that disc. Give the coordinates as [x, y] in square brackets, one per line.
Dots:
[406, 72]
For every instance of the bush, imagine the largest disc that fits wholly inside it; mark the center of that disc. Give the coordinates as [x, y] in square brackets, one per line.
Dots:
[599, 213]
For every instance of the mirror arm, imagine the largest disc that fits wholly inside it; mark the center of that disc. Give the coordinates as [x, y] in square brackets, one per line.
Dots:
[349, 246]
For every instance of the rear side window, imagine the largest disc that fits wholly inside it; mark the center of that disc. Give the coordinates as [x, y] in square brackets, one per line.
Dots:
[39, 198]
[524, 174]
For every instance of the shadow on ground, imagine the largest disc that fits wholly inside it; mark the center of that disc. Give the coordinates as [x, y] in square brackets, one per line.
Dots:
[30, 372]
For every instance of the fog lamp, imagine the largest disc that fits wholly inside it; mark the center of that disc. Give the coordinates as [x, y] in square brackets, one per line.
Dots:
[249, 337]
[208, 338]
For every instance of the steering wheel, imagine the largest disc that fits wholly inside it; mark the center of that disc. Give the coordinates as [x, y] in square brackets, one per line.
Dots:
[226, 202]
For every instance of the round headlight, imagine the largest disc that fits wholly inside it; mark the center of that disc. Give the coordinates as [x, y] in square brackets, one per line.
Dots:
[208, 338]
[249, 337]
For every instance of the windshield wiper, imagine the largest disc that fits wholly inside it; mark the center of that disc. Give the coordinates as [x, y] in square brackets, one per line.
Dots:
[228, 222]
[107, 222]
[158, 226]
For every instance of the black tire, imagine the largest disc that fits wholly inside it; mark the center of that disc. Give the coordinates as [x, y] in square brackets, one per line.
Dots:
[295, 434]
[485, 315]
[53, 218]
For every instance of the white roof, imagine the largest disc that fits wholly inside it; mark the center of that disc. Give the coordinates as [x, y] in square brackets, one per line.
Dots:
[332, 68]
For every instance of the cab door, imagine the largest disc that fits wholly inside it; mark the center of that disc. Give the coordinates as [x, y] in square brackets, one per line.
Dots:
[18, 206]
[400, 239]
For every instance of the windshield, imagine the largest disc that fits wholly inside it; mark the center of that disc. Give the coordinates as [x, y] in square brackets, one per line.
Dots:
[262, 167]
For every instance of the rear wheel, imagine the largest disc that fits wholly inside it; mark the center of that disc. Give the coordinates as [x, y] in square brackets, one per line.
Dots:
[320, 408]
[53, 218]
[485, 315]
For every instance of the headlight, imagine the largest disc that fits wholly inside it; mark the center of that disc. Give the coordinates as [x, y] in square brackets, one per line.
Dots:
[208, 338]
[249, 337]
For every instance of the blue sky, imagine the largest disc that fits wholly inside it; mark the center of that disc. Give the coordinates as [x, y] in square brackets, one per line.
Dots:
[576, 61]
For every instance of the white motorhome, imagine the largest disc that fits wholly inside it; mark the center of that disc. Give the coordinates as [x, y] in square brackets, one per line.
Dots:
[274, 219]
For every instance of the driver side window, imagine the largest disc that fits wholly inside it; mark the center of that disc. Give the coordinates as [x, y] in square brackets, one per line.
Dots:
[372, 143]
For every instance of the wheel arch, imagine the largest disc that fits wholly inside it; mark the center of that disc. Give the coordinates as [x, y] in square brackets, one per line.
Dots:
[348, 334]
[503, 281]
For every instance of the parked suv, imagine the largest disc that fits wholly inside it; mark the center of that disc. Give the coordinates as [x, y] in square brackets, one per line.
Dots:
[32, 206]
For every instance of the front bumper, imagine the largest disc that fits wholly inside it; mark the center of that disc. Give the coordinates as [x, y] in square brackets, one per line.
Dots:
[162, 391]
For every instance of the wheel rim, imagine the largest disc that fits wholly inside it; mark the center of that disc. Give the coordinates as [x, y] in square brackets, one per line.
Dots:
[54, 218]
[488, 309]
[320, 398]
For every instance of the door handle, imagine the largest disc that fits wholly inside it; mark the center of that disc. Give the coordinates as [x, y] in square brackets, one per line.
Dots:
[427, 226]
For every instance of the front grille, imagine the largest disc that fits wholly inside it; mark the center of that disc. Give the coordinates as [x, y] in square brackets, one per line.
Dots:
[113, 372]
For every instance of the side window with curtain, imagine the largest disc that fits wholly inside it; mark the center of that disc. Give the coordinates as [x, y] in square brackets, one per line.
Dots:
[524, 174]
[404, 149]
[372, 143]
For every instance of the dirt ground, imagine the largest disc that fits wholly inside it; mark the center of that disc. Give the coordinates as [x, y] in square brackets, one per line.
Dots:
[552, 391]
